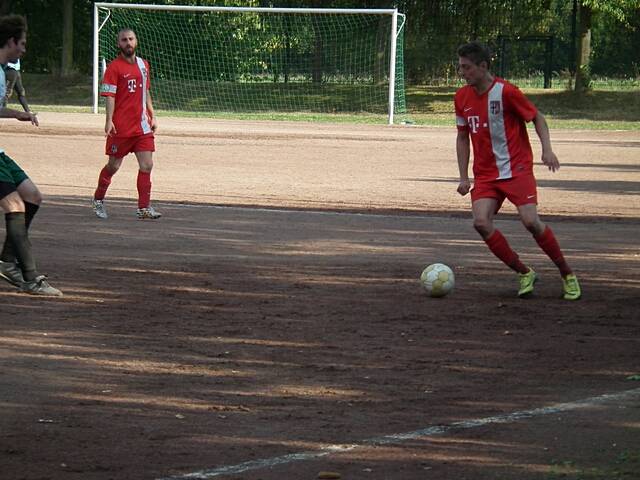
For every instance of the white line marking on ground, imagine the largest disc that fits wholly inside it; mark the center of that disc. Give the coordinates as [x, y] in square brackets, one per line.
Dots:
[402, 437]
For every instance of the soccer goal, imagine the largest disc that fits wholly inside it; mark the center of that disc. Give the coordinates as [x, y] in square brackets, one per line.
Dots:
[251, 59]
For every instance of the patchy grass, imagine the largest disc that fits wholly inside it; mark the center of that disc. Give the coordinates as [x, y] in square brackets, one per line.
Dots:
[606, 109]
[51, 90]
[626, 466]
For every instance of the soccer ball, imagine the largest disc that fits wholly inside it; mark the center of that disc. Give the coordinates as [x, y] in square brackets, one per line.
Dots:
[437, 279]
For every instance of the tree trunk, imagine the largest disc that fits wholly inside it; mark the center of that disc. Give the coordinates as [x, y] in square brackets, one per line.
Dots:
[287, 48]
[380, 67]
[583, 52]
[317, 66]
[67, 38]
[318, 48]
[574, 37]
[5, 7]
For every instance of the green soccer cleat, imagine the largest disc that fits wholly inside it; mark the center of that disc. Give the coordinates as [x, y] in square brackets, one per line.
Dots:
[571, 287]
[527, 280]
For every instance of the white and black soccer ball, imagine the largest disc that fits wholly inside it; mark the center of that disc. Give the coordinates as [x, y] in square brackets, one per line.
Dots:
[437, 279]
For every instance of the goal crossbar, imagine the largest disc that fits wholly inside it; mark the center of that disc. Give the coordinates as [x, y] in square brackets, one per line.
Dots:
[195, 8]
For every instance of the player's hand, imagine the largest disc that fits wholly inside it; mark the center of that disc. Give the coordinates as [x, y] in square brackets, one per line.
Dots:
[551, 161]
[463, 187]
[110, 129]
[154, 124]
[28, 117]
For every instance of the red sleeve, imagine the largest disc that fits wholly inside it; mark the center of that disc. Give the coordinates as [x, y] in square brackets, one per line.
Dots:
[110, 81]
[520, 104]
[461, 123]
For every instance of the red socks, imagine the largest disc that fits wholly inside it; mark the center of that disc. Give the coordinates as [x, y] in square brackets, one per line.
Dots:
[549, 244]
[144, 189]
[501, 249]
[547, 241]
[104, 180]
[143, 184]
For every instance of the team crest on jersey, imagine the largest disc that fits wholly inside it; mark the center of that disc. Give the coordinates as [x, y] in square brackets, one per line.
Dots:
[494, 106]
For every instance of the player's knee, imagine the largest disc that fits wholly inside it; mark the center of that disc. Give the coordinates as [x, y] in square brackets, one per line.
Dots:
[532, 224]
[36, 197]
[145, 164]
[482, 226]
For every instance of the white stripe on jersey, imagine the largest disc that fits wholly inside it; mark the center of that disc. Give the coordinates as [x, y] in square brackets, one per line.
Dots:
[498, 131]
[144, 121]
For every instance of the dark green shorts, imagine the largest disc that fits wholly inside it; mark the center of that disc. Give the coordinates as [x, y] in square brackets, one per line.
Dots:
[10, 172]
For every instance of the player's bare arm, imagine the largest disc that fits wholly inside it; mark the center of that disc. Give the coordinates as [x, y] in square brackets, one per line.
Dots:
[542, 129]
[152, 115]
[463, 151]
[109, 127]
[22, 116]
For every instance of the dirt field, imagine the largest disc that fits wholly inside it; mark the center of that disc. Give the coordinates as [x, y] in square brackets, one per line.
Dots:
[275, 310]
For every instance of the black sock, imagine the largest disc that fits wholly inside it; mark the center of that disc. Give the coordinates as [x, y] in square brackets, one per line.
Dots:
[8, 254]
[19, 239]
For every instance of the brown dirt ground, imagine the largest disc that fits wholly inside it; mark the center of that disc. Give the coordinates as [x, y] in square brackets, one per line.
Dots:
[224, 333]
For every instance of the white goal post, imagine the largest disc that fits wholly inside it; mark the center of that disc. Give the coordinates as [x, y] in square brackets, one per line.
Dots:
[102, 14]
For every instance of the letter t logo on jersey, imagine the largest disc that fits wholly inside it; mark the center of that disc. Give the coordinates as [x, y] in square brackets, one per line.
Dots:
[132, 85]
[474, 122]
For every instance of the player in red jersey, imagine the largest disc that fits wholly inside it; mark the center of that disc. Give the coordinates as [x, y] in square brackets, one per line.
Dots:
[130, 123]
[493, 112]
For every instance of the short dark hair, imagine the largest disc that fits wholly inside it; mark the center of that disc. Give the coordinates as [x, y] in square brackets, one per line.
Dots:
[476, 52]
[12, 26]
[126, 29]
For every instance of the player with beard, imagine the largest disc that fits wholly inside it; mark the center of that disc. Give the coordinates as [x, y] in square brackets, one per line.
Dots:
[130, 123]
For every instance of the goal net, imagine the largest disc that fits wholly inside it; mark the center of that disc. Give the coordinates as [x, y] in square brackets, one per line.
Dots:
[242, 59]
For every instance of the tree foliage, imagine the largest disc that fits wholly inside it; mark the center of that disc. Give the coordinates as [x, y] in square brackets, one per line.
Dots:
[433, 31]
[621, 10]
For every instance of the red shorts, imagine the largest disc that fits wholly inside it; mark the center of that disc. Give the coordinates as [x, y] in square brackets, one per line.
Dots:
[520, 190]
[120, 147]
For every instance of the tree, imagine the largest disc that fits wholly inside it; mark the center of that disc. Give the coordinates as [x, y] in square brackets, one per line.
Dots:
[66, 67]
[622, 10]
[5, 6]
[583, 51]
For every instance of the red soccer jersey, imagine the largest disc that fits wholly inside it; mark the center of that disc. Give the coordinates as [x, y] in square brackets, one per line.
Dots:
[496, 122]
[129, 84]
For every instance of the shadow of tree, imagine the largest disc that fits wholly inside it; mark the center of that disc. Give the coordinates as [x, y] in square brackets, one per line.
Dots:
[567, 105]
[616, 187]
[595, 105]
[217, 335]
[595, 186]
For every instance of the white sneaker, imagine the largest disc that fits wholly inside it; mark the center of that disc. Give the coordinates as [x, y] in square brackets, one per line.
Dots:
[148, 212]
[99, 208]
